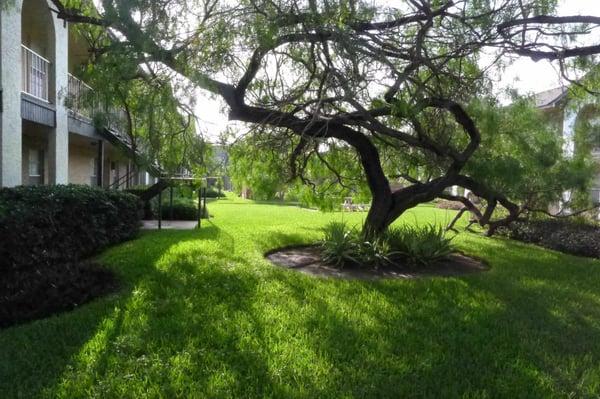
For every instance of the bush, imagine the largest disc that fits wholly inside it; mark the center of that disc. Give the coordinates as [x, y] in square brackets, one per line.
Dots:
[211, 192]
[567, 236]
[59, 224]
[183, 209]
[31, 294]
[419, 245]
[407, 245]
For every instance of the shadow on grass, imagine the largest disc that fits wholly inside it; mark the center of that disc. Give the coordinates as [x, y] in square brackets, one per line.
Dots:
[199, 318]
[33, 356]
[531, 328]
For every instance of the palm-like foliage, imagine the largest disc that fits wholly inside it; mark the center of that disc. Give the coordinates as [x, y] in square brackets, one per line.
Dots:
[340, 244]
[419, 246]
[406, 245]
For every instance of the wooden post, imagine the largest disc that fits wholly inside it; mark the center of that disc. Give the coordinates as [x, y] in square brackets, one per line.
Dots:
[199, 207]
[100, 170]
[160, 210]
[171, 202]
[204, 207]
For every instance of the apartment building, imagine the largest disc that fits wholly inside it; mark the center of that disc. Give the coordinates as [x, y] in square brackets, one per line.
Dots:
[46, 133]
[569, 116]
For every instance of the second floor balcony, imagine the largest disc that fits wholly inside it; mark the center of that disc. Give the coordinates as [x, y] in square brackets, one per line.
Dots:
[83, 103]
[35, 74]
[80, 97]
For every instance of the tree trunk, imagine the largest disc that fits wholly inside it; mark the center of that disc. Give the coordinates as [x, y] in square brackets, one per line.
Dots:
[377, 219]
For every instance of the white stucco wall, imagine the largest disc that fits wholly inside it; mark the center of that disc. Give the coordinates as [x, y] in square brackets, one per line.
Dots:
[10, 81]
[58, 141]
[569, 121]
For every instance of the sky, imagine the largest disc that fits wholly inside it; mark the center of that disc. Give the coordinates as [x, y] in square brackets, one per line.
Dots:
[528, 76]
[524, 75]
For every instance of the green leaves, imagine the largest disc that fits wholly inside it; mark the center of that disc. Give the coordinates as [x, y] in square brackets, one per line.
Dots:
[419, 245]
[401, 108]
[52, 224]
[340, 244]
[412, 246]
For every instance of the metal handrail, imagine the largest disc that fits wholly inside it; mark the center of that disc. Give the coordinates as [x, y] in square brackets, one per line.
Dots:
[36, 70]
[123, 179]
[78, 90]
[595, 191]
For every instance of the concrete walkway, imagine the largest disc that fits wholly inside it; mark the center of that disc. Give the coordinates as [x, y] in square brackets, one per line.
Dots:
[170, 224]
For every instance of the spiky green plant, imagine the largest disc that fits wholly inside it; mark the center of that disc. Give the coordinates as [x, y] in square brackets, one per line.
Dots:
[419, 245]
[340, 244]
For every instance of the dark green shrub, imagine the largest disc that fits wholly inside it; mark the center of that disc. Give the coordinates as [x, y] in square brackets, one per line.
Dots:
[212, 192]
[418, 245]
[183, 209]
[567, 236]
[29, 294]
[56, 224]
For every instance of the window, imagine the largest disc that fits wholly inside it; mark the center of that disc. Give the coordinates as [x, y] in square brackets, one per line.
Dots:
[36, 166]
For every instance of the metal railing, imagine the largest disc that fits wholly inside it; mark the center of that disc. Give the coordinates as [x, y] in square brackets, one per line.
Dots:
[595, 195]
[116, 120]
[36, 71]
[81, 100]
[79, 97]
[123, 181]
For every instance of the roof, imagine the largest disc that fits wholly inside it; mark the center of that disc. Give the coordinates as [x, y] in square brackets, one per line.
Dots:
[549, 98]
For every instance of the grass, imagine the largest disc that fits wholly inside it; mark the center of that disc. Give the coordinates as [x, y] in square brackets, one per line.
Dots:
[203, 315]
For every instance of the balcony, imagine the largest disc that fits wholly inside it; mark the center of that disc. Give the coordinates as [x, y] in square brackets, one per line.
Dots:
[79, 97]
[36, 70]
[84, 105]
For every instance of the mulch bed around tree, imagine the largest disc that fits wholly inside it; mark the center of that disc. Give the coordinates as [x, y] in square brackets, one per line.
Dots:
[35, 293]
[307, 259]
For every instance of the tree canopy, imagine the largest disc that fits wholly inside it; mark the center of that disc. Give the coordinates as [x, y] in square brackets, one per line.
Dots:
[405, 87]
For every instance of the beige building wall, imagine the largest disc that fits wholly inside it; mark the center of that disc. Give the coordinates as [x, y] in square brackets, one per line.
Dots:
[81, 163]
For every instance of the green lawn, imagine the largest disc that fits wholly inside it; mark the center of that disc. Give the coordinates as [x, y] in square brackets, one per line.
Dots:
[201, 314]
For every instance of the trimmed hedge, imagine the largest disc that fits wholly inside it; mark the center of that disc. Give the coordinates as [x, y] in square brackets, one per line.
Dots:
[29, 294]
[49, 225]
[183, 209]
[567, 236]
[212, 192]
